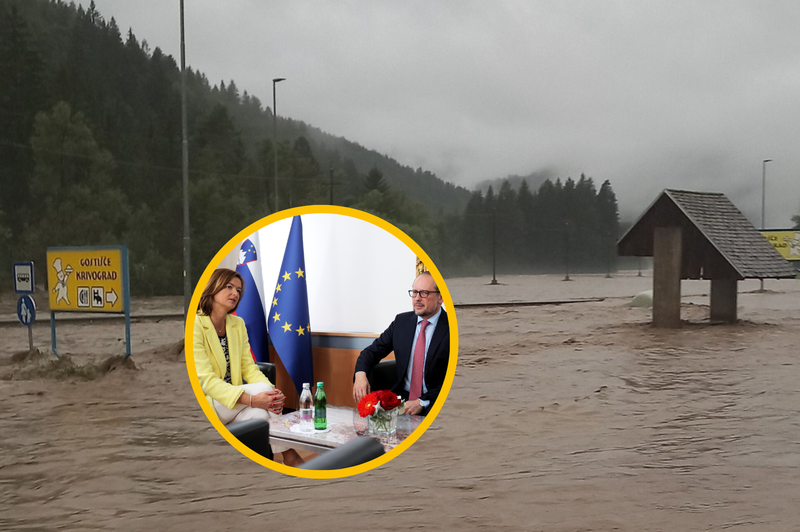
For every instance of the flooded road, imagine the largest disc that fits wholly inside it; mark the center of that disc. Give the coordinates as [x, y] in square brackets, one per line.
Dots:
[574, 417]
[614, 425]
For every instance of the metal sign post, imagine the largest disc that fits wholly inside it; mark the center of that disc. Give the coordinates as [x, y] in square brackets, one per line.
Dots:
[24, 284]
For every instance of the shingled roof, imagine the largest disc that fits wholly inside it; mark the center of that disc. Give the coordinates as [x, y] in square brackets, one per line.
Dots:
[718, 241]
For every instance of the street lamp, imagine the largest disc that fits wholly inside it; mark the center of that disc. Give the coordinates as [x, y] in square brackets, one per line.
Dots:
[494, 245]
[187, 256]
[763, 199]
[566, 252]
[275, 137]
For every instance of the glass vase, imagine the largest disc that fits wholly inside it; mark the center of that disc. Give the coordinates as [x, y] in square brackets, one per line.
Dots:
[383, 422]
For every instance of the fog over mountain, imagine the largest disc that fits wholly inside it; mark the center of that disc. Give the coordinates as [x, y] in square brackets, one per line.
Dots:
[648, 95]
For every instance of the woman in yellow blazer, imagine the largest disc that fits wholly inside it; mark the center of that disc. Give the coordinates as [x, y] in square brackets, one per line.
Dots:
[223, 361]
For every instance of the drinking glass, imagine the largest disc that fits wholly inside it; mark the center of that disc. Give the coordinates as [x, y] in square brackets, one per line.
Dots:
[360, 424]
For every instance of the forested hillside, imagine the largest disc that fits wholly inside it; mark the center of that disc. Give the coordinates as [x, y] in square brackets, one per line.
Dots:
[90, 149]
[90, 154]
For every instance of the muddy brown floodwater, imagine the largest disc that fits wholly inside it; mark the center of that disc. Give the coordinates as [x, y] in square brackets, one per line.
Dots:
[568, 417]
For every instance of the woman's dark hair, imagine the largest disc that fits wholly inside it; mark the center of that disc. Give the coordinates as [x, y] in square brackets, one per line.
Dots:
[219, 280]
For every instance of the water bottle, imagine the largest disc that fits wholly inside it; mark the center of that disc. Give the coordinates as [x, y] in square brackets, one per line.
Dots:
[306, 409]
[320, 408]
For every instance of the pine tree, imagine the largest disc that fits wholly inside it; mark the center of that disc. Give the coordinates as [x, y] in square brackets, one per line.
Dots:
[525, 206]
[473, 227]
[608, 225]
[586, 240]
[508, 229]
[304, 183]
[374, 181]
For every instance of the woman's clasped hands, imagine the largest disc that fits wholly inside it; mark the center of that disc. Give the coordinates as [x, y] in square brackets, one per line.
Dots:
[272, 401]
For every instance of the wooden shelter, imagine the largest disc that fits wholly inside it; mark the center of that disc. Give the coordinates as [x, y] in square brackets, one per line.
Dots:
[700, 235]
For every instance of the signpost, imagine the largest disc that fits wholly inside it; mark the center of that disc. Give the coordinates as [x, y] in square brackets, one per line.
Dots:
[26, 307]
[89, 279]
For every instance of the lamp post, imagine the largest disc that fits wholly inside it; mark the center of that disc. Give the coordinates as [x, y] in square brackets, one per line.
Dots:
[187, 281]
[275, 138]
[763, 199]
[566, 251]
[494, 245]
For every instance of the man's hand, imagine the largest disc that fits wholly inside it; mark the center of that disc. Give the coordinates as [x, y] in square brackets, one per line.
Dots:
[360, 386]
[413, 408]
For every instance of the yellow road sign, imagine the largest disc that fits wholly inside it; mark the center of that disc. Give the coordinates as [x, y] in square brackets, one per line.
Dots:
[787, 243]
[87, 279]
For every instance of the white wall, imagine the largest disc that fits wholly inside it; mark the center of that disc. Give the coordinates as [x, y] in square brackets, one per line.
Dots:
[358, 274]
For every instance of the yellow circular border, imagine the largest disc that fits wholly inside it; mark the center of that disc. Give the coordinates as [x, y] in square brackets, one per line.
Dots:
[230, 246]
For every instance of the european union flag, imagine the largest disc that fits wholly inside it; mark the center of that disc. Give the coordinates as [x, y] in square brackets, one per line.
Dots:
[289, 324]
[251, 307]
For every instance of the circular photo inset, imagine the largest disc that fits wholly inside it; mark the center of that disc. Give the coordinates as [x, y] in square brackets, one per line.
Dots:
[321, 341]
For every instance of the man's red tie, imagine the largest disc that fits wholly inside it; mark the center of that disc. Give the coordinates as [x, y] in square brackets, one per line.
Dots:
[419, 364]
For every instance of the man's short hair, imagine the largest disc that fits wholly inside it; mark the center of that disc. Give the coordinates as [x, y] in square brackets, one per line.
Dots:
[429, 274]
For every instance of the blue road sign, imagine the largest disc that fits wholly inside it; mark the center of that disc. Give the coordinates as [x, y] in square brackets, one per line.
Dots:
[26, 310]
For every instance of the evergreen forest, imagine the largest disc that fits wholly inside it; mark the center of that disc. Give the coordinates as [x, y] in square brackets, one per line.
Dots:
[91, 147]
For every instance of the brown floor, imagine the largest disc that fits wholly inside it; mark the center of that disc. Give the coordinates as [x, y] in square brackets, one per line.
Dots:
[305, 455]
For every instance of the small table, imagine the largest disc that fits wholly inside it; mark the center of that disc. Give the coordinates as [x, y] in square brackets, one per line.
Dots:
[340, 431]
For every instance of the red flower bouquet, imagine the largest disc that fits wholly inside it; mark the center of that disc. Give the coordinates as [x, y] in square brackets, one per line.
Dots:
[381, 408]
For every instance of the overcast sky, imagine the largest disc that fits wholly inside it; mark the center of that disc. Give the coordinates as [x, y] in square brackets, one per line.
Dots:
[649, 95]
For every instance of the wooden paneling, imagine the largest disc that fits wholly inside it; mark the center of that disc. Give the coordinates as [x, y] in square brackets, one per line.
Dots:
[334, 367]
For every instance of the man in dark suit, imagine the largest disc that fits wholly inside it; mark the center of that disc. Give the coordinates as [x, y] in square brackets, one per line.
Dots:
[421, 343]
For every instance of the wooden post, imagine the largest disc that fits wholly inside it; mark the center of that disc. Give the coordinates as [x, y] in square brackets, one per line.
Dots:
[724, 294]
[667, 247]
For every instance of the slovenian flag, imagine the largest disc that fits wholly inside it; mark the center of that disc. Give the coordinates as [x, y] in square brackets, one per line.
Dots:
[251, 307]
[289, 324]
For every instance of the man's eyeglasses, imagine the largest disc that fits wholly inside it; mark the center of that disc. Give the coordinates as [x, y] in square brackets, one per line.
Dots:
[422, 293]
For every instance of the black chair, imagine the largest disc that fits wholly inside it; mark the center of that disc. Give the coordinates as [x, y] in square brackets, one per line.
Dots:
[268, 369]
[254, 433]
[383, 375]
[350, 454]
